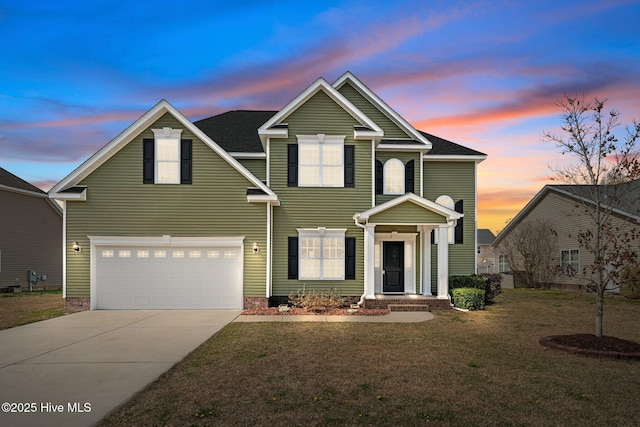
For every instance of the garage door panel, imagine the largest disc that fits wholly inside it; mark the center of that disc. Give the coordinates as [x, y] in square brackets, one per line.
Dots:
[169, 278]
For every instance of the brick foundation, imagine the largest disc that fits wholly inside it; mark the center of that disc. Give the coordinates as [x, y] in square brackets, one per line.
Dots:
[77, 303]
[255, 302]
[400, 303]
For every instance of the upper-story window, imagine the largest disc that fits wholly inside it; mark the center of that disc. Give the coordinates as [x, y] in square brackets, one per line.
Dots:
[447, 202]
[167, 158]
[393, 177]
[321, 161]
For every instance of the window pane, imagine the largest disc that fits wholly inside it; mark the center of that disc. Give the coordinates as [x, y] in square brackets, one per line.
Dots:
[168, 149]
[332, 176]
[333, 269]
[393, 176]
[309, 154]
[310, 247]
[168, 173]
[332, 154]
[310, 269]
[309, 175]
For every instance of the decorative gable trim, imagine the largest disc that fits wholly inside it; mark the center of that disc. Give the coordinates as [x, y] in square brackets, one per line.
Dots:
[147, 120]
[273, 127]
[449, 214]
[388, 111]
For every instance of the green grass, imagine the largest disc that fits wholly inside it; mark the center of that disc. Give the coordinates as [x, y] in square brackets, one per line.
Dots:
[28, 307]
[477, 368]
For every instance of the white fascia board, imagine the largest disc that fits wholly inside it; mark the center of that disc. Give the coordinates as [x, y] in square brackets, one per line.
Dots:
[148, 241]
[243, 155]
[82, 197]
[263, 198]
[390, 112]
[410, 197]
[273, 133]
[401, 147]
[25, 192]
[454, 157]
[319, 85]
[134, 130]
[367, 135]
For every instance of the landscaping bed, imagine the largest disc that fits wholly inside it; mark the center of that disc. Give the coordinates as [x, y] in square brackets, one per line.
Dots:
[293, 311]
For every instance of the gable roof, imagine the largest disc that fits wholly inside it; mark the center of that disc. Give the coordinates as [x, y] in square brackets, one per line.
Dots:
[628, 207]
[485, 236]
[348, 77]
[147, 119]
[409, 198]
[368, 128]
[10, 181]
[442, 147]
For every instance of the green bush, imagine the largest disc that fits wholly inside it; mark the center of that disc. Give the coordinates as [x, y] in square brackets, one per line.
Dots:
[470, 281]
[316, 300]
[470, 298]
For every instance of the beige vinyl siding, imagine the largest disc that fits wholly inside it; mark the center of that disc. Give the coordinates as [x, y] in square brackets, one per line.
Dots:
[404, 157]
[30, 238]
[119, 204]
[390, 128]
[258, 167]
[457, 180]
[407, 213]
[312, 207]
[568, 218]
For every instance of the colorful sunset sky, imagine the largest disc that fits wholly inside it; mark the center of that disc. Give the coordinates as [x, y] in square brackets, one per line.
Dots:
[485, 74]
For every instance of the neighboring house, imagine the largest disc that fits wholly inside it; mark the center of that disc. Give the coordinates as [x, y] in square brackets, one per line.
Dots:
[562, 209]
[30, 234]
[486, 257]
[335, 190]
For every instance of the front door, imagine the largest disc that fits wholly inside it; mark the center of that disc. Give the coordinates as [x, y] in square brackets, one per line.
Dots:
[393, 267]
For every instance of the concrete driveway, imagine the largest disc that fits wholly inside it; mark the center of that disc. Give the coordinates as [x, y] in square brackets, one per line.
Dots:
[74, 369]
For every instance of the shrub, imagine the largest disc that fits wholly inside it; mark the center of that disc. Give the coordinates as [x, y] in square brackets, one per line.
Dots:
[493, 287]
[316, 300]
[470, 281]
[470, 298]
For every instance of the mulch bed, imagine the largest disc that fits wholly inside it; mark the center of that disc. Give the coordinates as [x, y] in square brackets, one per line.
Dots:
[293, 311]
[590, 345]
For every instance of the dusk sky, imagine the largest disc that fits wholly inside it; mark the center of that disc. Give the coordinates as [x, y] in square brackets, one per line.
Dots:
[484, 74]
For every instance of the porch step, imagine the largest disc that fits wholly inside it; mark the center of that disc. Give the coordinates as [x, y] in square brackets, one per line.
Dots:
[408, 307]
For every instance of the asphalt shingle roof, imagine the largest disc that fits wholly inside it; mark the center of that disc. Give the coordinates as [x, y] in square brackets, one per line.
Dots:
[485, 236]
[10, 180]
[237, 131]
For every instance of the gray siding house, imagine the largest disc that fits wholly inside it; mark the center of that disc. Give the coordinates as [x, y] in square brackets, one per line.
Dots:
[30, 234]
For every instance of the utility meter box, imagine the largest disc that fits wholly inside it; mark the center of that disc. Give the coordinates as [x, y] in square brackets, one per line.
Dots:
[33, 276]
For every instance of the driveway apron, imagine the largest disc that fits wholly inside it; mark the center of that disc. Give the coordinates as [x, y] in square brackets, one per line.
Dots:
[73, 370]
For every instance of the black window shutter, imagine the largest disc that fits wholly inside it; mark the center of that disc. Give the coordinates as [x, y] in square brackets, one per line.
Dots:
[293, 258]
[292, 165]
[378, 177]
[408, 177]
[148, 160]
[458, 231]
[350, 258]
[433, 236]
[185, 161]
[349, 166]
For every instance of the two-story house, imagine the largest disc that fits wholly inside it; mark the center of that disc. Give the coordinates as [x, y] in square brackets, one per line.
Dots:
[335, 190]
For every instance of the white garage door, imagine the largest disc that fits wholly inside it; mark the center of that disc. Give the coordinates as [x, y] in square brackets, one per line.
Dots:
[168, 277]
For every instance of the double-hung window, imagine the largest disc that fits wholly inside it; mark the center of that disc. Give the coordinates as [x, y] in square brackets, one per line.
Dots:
[320, 160]
[570, 261]
[167, 167]
[321, 254]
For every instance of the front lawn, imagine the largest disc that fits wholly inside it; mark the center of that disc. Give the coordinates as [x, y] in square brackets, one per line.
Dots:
[476, 368]
[27, 307]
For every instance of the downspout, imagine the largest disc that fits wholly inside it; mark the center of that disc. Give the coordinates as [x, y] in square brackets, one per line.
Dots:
[364, 228]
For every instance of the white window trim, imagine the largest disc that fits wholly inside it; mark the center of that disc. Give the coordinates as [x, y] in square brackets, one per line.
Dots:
[165, 133]
[384, 177]
[321, 139]
[321, 232]
[447, 202]
[563, 265]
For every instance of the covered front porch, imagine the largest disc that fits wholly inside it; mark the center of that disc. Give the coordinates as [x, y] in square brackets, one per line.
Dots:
[400, 263]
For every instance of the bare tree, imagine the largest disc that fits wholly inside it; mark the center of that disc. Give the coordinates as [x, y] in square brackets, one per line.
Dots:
[529, 248]
[602, 179]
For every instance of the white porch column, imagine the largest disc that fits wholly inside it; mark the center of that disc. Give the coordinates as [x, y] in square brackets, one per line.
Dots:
[425, 251]
[443, 262]
[369, 262]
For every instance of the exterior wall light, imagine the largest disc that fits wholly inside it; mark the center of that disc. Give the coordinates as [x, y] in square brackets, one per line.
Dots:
[76, 247]
[256, 248]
